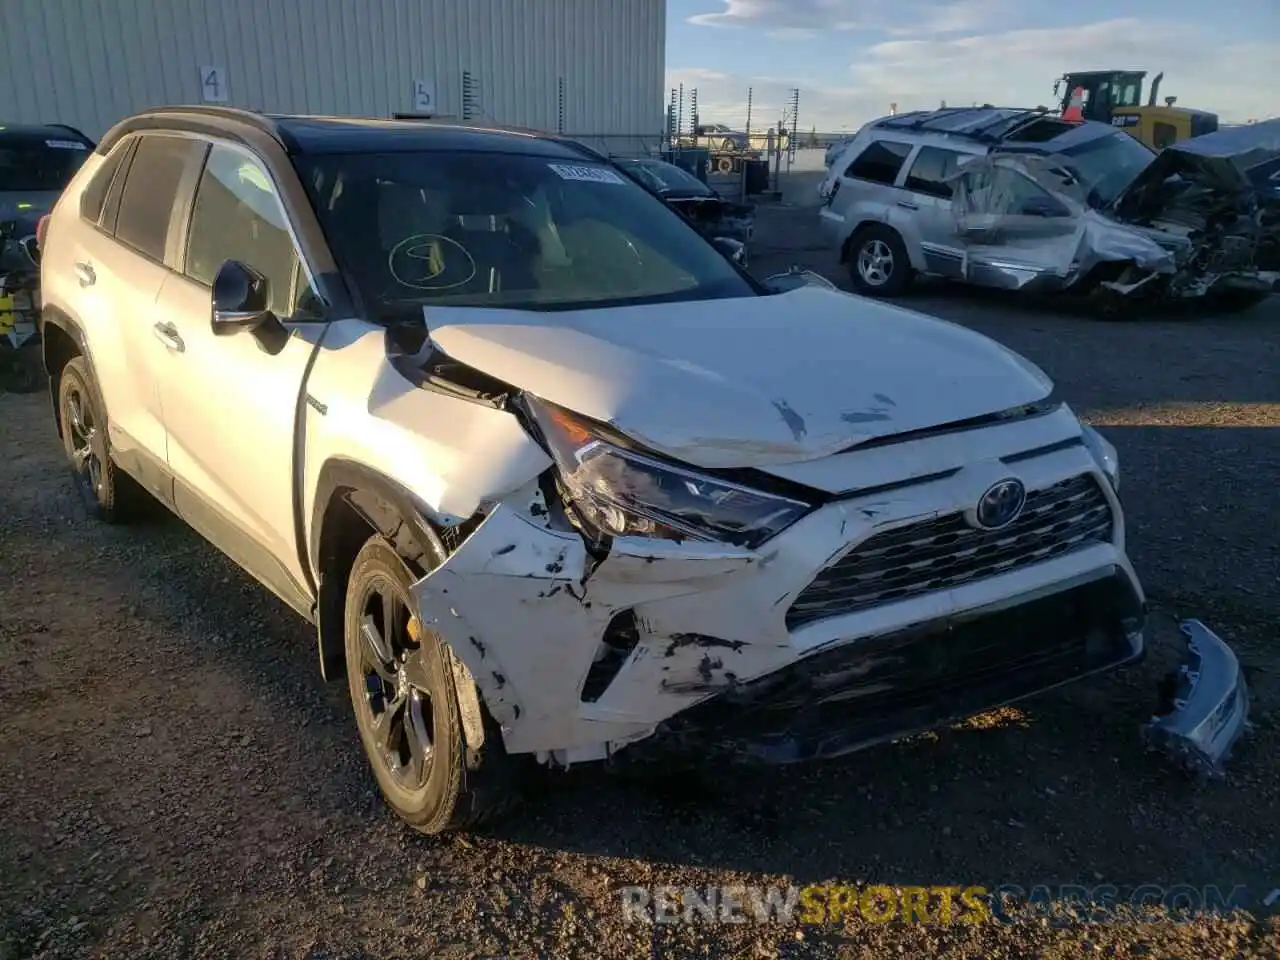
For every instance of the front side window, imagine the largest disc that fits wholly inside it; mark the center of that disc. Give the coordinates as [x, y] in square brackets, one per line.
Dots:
[880, 162]
[506, 230]
[1007, 192]
[151, 190]
[237, 215]
[931, 170]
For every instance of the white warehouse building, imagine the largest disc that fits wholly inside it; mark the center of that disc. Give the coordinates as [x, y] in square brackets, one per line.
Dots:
[586, 68]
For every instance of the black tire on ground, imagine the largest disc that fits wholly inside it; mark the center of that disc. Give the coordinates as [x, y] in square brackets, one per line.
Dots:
[405, 698]
[1237, 301]
[108, 493]
[878, 262]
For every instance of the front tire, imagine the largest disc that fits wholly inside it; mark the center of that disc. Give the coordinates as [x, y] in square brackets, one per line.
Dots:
[107, 492]
[878, 263]
[404, 693]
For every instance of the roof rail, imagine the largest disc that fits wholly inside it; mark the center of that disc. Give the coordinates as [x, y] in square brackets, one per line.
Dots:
[149, 118]
[252, 117]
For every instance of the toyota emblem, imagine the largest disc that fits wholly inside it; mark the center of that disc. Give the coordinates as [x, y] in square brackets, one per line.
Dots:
[1001, 504]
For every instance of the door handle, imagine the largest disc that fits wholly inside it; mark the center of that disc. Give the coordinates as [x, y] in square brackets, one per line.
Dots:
[908, 205]
[85, 274]
[167, 334]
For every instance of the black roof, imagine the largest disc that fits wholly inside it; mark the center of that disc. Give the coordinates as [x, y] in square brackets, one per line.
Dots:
[329, 135]
[359, 135]
[43, 131]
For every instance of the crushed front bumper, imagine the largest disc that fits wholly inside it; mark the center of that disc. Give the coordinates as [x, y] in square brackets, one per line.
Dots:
[1207, 705]
[579, 656]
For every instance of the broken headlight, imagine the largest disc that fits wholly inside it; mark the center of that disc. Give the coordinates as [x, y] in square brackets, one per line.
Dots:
[1106, 455]
[622, 492]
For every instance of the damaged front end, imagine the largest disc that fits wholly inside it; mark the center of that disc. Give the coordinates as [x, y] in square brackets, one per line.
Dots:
[714, 216]
[1205, 705]
[623, 602]
[1213, 202]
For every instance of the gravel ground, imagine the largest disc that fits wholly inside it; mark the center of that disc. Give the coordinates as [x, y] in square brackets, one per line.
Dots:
[176, 780]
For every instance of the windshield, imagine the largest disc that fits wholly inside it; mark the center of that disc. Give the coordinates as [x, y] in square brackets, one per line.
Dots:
[1108, 164]
[506, 230]
[668, 178]
[29, 164]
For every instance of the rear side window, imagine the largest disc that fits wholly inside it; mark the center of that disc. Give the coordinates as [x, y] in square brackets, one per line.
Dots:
[95, 194]
[929, 172]
[151, 189]
[880, 162]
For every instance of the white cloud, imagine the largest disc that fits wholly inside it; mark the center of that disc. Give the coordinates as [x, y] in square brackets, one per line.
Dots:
[1015, 67]
[800, 19]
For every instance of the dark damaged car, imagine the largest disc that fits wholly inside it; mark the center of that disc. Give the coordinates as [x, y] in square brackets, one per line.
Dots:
[711, 214]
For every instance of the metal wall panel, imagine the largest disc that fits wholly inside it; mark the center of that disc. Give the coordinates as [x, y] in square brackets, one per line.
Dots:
[90, 62]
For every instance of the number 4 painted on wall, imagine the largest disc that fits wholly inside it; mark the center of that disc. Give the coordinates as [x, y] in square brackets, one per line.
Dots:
[213, 84]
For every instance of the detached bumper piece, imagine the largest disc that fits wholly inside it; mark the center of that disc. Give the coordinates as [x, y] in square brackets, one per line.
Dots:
[878, 689]
[1207, 706]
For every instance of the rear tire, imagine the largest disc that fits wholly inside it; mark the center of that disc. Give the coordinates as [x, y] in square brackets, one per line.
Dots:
[878, 262]
[108, 493]
[404, 693]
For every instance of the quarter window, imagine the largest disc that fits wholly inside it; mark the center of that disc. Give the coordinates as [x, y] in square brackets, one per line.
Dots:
[95, 194]
[930, 172]
[237, 215]
[151, 189]
[880, 162]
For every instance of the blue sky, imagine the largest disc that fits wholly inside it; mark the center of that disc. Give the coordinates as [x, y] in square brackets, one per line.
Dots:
[852, 58]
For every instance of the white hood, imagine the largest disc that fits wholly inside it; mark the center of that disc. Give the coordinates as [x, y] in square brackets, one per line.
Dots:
[746, 382]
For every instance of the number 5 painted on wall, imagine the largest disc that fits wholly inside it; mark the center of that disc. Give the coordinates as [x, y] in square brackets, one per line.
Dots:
[213, 85]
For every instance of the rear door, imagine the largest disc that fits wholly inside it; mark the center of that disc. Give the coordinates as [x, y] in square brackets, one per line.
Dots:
[866, 189]
[118, 262]
[933, 225]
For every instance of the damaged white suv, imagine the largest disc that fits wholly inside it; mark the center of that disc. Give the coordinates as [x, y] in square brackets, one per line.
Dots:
[479, 407]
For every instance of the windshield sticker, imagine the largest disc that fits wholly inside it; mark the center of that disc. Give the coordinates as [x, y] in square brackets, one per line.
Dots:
[567, 171]
[65, 145]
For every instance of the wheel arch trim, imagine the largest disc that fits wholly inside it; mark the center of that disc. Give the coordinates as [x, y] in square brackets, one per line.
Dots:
[389, 508]
[52, 316]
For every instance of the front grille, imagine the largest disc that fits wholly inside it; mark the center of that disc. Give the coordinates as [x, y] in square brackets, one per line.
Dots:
[946, 552]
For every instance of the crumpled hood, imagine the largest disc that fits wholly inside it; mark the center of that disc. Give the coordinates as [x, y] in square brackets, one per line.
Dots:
[746, 382]
[1232, 162]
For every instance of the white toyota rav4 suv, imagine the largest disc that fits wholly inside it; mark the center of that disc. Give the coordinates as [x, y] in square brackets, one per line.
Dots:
[553, 478]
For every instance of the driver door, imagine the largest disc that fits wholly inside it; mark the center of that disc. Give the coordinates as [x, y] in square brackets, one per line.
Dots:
[231, 401]
[1014, 233]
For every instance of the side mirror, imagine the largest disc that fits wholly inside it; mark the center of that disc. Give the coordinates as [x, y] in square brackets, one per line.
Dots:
[796, 277]
[735, 250]
[240, 298]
